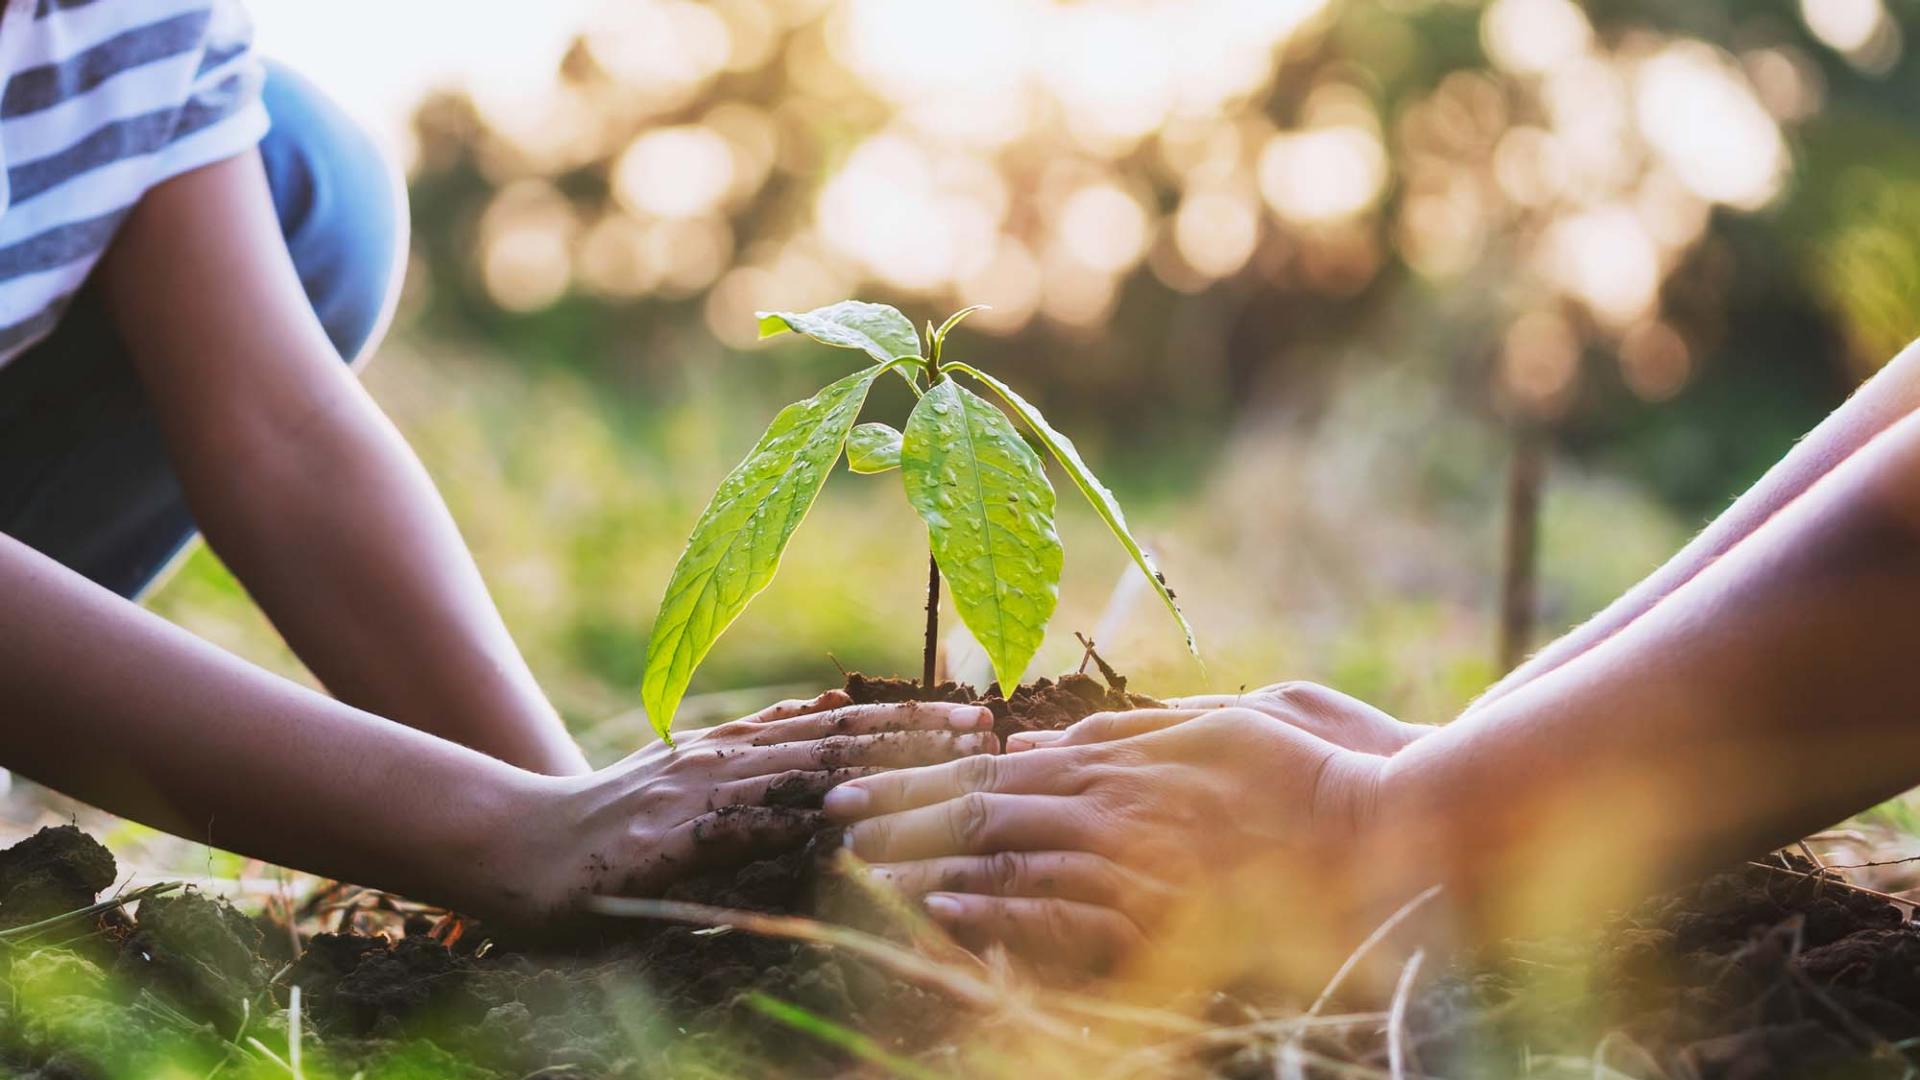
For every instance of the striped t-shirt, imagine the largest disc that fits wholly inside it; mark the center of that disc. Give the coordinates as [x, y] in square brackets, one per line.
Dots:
[100, 100]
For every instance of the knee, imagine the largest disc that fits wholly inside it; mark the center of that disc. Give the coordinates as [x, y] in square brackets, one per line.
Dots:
[342, 208]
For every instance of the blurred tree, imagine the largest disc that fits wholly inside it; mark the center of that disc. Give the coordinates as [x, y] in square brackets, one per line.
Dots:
[1188, 212]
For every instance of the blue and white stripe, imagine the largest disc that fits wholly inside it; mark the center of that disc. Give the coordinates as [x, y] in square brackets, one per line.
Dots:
[100, 100]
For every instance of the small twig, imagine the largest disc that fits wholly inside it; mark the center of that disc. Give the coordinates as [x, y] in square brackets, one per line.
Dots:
[1865, 865]
[1811, 857]
[1114, 679]
[1397, 1050]
[836, 663]
[1836, 880]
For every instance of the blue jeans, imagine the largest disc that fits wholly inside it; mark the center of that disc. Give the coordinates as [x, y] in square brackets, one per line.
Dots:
[84, 476]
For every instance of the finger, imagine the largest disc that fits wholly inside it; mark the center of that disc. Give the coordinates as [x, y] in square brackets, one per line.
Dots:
[892, 792]
[889, 749]
[795, 788]
[870, 719]
[1049, 931]
[974, 824]
[1103, 727]
[1060, 875]
[782, 710]
[1210, 701]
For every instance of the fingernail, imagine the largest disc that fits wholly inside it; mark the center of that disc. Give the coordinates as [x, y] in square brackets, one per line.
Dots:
[970, 719]
[846, 801]
[941, 906]
[1033, 738]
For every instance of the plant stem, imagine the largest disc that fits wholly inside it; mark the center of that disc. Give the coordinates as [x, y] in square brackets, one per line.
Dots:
[933, 565]
[933, 622]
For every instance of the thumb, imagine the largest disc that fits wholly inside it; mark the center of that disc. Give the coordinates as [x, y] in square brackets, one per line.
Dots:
[1102, 727]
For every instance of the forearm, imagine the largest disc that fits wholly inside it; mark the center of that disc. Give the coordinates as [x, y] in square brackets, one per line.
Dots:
[1883, 400]
[114, 706]
[302, 485]
[343, 540]
[1771, 695]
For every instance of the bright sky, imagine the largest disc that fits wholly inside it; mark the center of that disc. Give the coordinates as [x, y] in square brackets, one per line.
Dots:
[377, 56]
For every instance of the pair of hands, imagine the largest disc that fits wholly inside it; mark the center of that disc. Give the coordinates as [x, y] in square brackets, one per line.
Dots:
[725, 795]
[1075, 845]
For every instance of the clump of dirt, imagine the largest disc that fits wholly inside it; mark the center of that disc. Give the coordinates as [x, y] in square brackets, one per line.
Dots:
[51, 872]
[1769, 969]
[1044, 705]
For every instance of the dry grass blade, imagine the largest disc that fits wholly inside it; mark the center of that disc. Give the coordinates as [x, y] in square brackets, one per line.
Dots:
[947, 978]
[294, 1032]
[1398, 1052]
[853, 1042]
[1372, 942]
[1154, 1058]
[32, 929]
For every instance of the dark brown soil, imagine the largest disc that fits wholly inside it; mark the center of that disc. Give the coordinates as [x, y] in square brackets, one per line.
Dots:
[635, 999]
[1762, 971]
[1768, 970]
[1045, 705]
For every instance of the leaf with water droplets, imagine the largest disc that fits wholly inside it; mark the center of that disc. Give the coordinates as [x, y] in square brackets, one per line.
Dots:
[1104, 503]
[989, 511]
[873, 448]
[879, 330]
[736, 546]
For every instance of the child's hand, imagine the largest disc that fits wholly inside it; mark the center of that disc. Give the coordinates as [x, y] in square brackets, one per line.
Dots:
[725, 795]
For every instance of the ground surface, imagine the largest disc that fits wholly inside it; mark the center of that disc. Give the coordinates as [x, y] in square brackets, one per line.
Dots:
[1762, 971]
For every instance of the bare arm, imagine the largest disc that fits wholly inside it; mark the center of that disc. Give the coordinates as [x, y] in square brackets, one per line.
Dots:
[1772, 694]
[1884, 399]
[302, 485]
[115, 706]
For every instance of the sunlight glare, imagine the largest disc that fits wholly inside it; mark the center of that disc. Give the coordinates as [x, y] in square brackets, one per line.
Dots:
[1701, 116]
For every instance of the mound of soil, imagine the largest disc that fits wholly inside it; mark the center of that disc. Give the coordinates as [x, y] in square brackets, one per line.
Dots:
[641, 999]
[1764, 970]
[1770, 969]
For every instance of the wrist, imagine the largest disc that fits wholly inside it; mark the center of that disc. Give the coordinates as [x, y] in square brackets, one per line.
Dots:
[498, 860]
[1347, 792]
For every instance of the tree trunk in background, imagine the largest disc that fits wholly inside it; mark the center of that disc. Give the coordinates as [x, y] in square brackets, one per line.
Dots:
[1521, 549]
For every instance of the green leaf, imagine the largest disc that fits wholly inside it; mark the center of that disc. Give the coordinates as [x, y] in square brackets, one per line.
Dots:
[953, 320]
[873, 448]
[881, 331]
[989, 512]
[1103, 501]
[736, 546]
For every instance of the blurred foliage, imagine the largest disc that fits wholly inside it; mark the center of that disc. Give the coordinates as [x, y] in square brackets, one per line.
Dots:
[1292, 267]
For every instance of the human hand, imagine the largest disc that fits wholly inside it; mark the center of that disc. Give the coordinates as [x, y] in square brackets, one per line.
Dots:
[1338, 718]
[1073, 851]
[725, 795]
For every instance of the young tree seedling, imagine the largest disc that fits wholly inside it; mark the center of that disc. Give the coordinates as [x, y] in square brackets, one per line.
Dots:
[979, 487]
